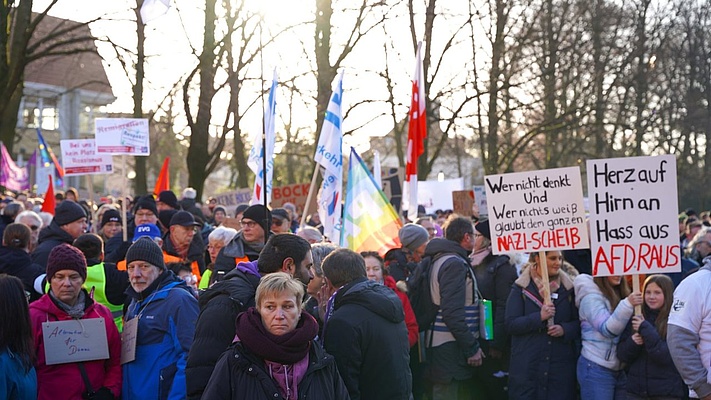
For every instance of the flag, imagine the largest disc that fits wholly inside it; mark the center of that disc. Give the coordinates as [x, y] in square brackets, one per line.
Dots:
[12, 176]
[163, 181]
[370, 222]
[416, 134]
[329, 155]
[49, 202]
[257, 152]
[377, 174]
[47, 155]
[153, 9]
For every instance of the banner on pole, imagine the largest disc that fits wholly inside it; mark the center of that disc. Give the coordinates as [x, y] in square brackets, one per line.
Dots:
[129, 136]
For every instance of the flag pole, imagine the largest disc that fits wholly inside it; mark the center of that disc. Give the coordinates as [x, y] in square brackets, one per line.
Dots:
[309, 197]
[264, 130]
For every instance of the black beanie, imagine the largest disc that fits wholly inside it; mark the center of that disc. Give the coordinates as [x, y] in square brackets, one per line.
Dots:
[145, 249]
[483, 228]
[64, 257]
[110, 216]
[169, 198]
[146, 203]
[256, 214]
[68, 212]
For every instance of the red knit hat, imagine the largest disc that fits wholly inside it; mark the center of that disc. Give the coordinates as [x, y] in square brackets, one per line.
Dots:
[63, 257]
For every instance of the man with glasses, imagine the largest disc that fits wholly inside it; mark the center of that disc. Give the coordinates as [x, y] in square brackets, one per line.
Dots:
[182, 242]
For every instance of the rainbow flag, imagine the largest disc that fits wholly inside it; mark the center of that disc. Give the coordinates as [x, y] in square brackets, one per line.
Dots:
[370, 221]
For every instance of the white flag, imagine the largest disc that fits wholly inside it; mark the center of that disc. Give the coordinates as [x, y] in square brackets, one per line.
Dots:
[254, 161]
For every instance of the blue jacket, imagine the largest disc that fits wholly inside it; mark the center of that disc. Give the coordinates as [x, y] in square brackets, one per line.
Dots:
[15, 382]
[167, 314]
[651, 371]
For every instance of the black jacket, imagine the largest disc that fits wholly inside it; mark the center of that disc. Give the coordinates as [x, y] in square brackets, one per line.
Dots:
[494, 277]
[115, 248]
[240, 374]
[17, 262]
[50, 237]
[367, 335]
[215, 329]
[650, 369]
[225, 260]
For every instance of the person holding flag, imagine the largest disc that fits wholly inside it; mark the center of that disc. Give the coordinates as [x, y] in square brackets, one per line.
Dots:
[329, 155]
[416, 134]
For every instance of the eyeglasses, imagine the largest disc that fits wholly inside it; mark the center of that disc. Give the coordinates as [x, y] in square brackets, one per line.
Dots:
[34, 227]
[248, 223]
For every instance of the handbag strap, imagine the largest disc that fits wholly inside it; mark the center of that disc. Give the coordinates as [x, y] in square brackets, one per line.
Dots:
[85, 378]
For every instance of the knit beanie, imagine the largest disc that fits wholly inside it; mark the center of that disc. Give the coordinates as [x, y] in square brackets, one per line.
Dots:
[110, 216]
[256, 214]
[64, 257]
[68, 212]
[169, 198]
[412, 236]
[483, 228]
[145, 249]
[146, 202]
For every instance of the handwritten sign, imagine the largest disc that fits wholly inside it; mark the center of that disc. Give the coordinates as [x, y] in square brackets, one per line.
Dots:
[128, 340]
[536, 210]
[463, 202]
[480, 200]
[122, 136]
[75, 340]
[633, 215]
[79, 157]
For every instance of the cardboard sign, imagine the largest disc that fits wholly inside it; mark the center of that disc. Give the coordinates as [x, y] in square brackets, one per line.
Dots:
[463, 202]
[233, 199]
[536, 210]
[633, 215]
[122, 136]
[75, 340]
[233, 223]
[480, 200]
[79, 157]
[295, 194]
[128, 341]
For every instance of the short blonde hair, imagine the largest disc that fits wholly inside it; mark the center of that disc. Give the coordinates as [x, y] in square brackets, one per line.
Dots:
[279, 282]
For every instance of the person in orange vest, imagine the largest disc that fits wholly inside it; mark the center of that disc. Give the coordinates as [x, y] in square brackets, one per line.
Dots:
[181, 241]
[153, 232]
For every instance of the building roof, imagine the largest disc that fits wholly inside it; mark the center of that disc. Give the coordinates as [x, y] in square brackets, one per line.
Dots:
[83, 70]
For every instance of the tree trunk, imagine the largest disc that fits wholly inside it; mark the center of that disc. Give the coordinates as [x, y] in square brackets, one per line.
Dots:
[141, 180]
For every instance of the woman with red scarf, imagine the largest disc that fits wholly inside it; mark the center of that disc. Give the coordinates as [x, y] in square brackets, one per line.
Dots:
[274, 355]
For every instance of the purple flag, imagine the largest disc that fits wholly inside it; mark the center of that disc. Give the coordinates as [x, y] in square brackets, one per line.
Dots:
[12, 176]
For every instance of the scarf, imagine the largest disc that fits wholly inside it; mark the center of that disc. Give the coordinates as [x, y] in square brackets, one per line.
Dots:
[77, 310]
[181, 249]
[479, 256]
[284, 349]
[553, 281]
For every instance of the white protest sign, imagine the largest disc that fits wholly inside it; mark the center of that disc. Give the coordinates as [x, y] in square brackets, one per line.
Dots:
[128, 341]
[536, 210]
[79, 157]
[122, 136]
[480, 200]
[434, 195]
[75, 340]
[633, 215]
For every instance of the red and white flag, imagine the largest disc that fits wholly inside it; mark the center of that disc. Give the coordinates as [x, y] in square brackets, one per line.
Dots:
[416, 134]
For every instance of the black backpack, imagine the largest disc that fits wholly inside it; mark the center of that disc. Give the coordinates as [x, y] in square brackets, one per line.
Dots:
[418, 291]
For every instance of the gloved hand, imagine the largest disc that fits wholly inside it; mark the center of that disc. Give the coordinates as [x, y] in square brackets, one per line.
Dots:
[104, 394]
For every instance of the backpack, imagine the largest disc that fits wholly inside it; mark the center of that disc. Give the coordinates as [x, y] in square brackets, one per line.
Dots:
[420, 295]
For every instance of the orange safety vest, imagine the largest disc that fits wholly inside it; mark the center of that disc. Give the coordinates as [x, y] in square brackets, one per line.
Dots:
[167, 258]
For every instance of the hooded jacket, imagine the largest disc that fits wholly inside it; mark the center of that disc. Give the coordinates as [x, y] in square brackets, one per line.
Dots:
[367, 335]
[167, 313]
[17, 262]
[244, 377]
[600, 325]
[215, 329]
[543, 366]
[50, 237]
[64, 381]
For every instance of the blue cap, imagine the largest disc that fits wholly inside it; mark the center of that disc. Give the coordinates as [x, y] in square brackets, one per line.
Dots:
[146, 230]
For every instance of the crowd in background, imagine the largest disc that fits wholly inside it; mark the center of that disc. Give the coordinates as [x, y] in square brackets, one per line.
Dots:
[244, 303]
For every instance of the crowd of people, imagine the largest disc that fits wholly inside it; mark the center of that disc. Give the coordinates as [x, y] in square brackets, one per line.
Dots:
[203, 301]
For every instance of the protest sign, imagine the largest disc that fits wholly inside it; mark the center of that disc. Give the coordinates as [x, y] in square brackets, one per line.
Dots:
[463, 202]
[79, 157]
[536, 210]
[480, 201]
[75, 340]
[235, 198]
[633, 215]
[433, 194]
[128, 136]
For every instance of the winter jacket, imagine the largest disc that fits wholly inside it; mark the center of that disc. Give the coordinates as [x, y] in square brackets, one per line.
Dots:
[600, 325]
[166, 327]
[64, 381]
[196, 253]
[17, 262]
[494, 277]
[215, 329]
[367, 335]
[650, 369]
[108, 286]
[115, 248]
[413, 332]
[240, 374]
[229, 256]
[15, 382]
[50, 237]
[542, 366]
